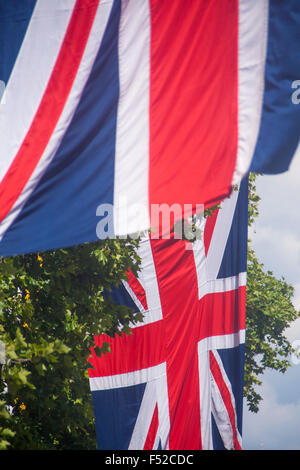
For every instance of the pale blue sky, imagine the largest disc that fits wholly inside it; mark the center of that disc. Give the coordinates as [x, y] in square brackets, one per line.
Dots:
[276, 240]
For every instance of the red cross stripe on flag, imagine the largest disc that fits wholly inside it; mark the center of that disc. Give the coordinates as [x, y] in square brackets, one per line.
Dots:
[175, 382]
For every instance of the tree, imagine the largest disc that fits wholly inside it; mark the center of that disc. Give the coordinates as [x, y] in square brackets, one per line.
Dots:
[51, 306]
[269, 311]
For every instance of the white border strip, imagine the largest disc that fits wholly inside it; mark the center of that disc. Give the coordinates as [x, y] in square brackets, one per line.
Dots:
[137, 302]
[221, 342]
[205, 379]
[148, 279]
[222, 285]
[131, 205]
[219, 409]
[128, 379]
[144, 418]
[92, 47]
[163, 411]
[253, 30]
[205, 398]
[220, 235]
[30, 75]
[156, 392]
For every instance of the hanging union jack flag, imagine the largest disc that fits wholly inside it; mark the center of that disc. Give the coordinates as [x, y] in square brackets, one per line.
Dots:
[176, 382]
[126, 102]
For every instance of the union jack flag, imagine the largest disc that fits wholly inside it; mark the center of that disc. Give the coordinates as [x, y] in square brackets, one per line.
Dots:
[176, 382]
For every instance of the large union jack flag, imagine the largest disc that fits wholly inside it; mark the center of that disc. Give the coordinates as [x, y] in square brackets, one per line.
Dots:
[126, 102]
[176, 382]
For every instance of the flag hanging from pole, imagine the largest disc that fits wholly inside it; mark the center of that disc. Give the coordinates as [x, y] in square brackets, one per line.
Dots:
[112, 106]
[177, 381]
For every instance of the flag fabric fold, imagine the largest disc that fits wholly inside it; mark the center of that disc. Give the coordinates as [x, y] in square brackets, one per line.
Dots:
[114, 106]
[176, 382]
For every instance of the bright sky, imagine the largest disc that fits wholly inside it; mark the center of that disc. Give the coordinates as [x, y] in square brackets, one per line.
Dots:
[277, 244]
